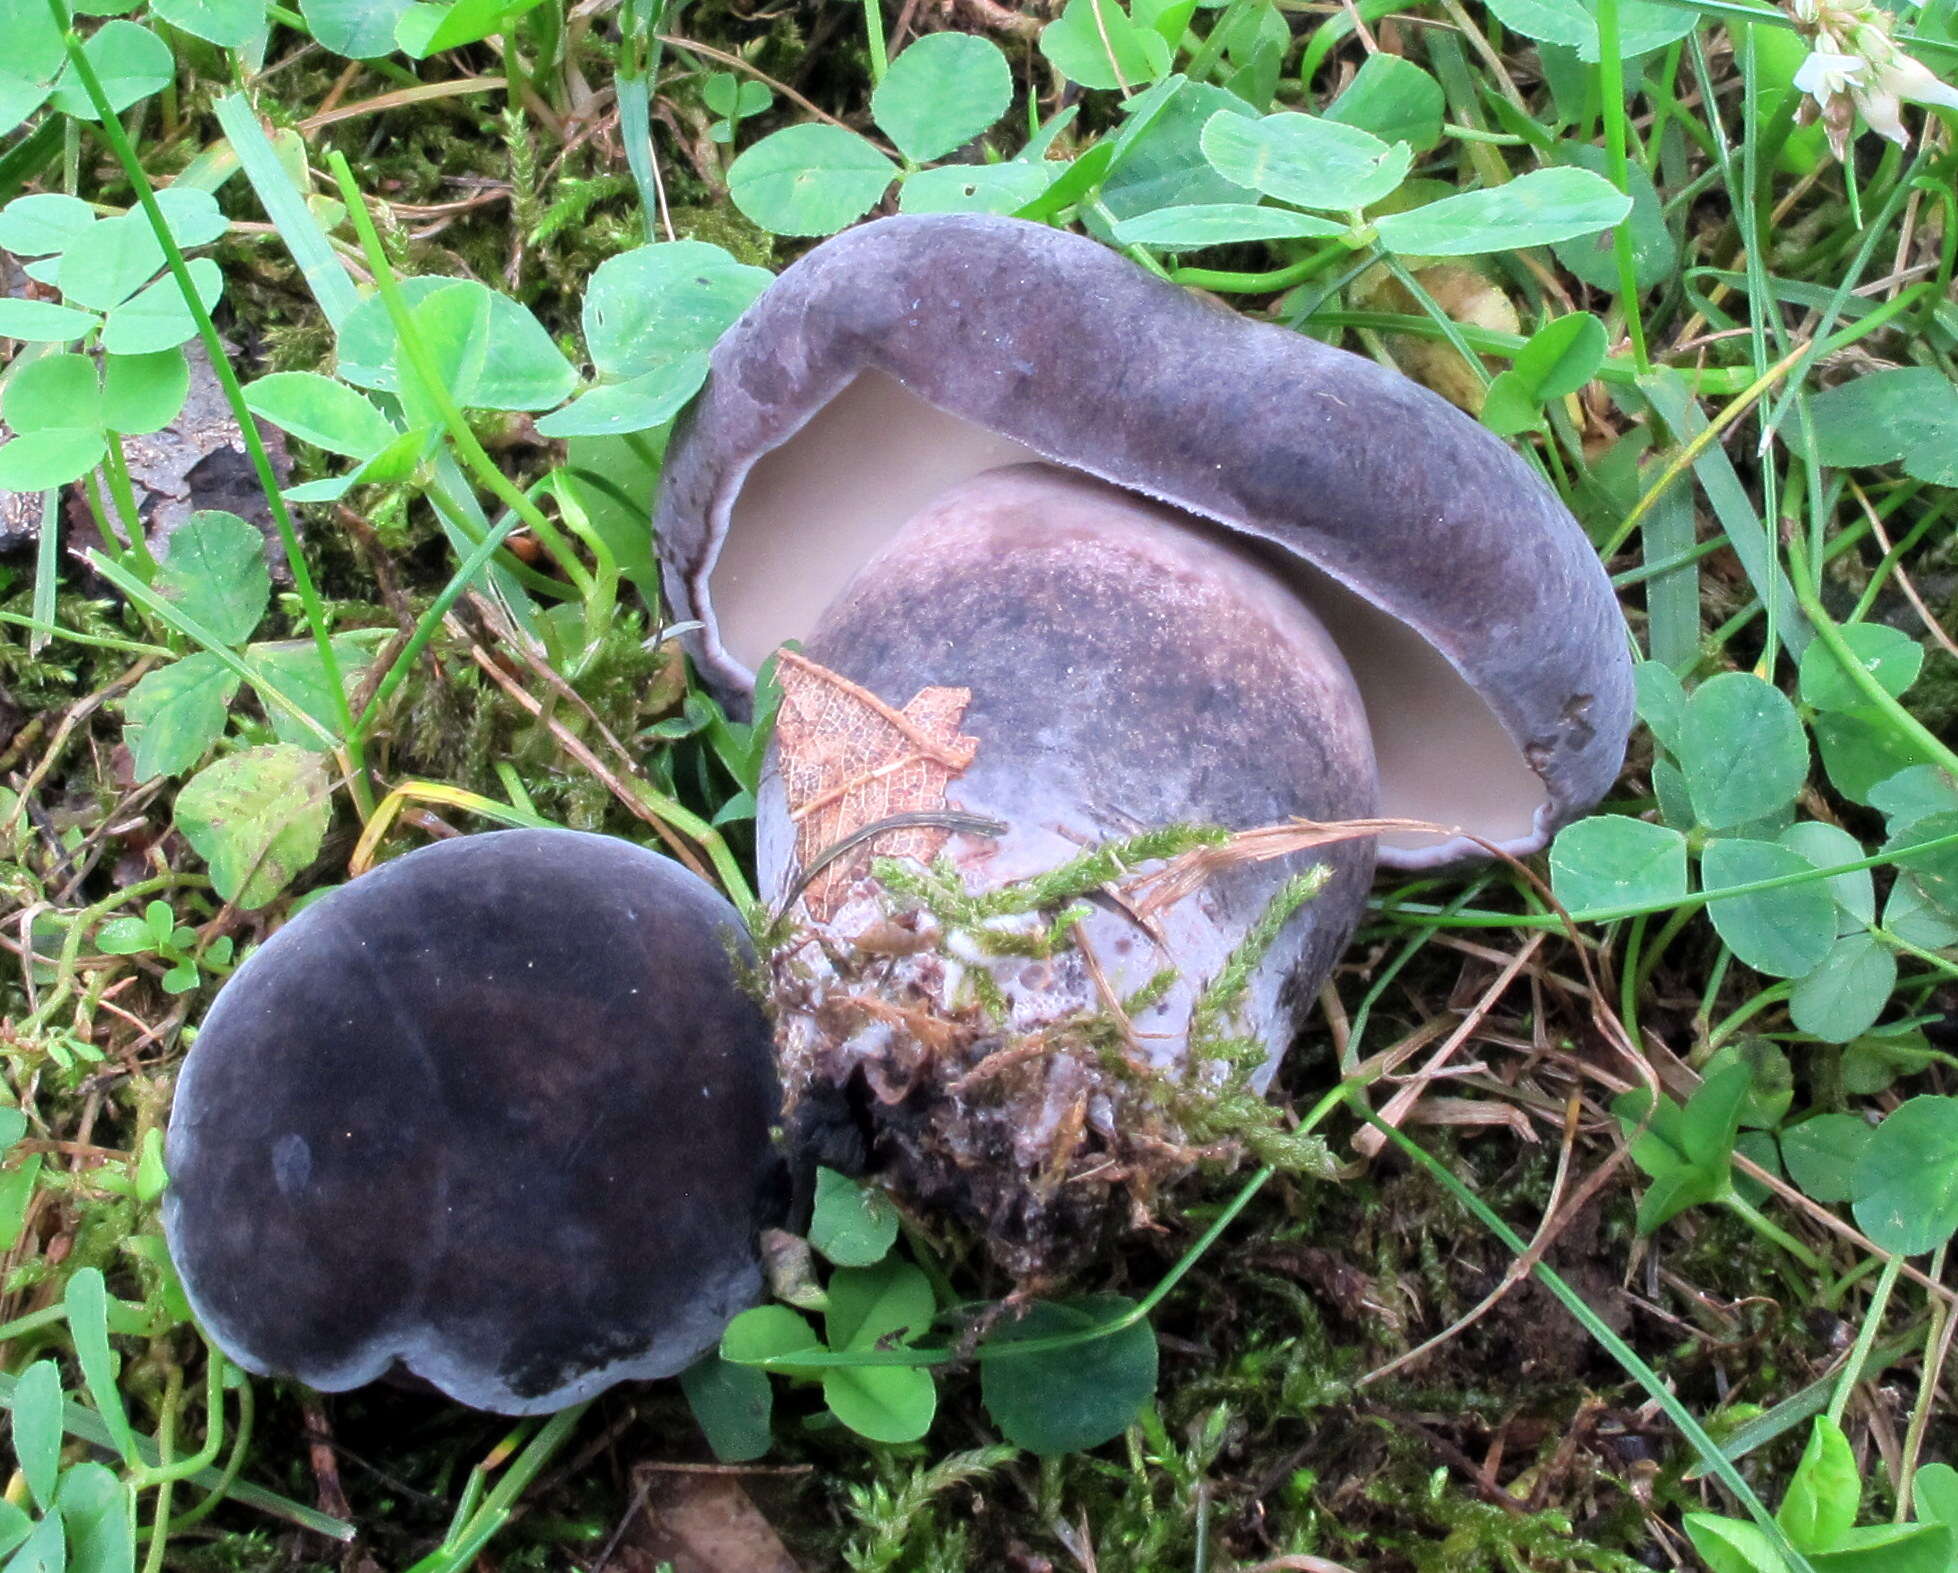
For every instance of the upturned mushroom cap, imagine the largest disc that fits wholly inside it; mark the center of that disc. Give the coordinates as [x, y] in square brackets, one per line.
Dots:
[496, 1114]
[914, 352]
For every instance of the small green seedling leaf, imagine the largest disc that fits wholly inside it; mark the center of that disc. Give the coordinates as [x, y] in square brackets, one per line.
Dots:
[1820, 1507]
[1914, 918]
[1728, 1545]
[177, 714]
[1643, 25]
[130, 62]
[1687, 1153]
[54, 393]
[157, 318]
[809, 180]
[1610, 861]
[43, 322]
[1889, 1548]
[1594, 258]
[1908, 413]
[1891, 657]
[42, 225]
[87, 1301]
[1395, 100]
[852, 1224]
[357, 29]
[17, 1182]
[773, 1334]
[143, 393]
[975, 188]
[733, 1405]
[216, 572]
[871, 1308]
[468, 22]
[1825, 846]
[1559, 358]
[1821, 1154]
[1221, 224]
[1932, 868]
[37, 1428]
[1536, 209]
[1875, 1062]
[230, 24]
[44, 459]
[55, 404]
[635, 405]
[131, 936]
[1305, 160]
[1784, 932]
[1096, 44]
[112, 261]
[1661, 702]
[152, 1179]
[1771, 1079]
[322, 411]
[492, 351]
[878, 1307]
[1843, 997]
[97, 1512]
[1065, 1400]
[1915, 793]
[15, 1527]
[1742, 748]
[943, 91]
[295, 669]
[734, 98]
[656, 305]
[1905, 1186]
[256, 818]
[888, 1403]
[1860, 751]
[1157, 160]
[1936, 1494]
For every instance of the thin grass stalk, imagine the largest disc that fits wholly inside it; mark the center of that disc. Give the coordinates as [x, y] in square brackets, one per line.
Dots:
[302, 578]
[1611, 87]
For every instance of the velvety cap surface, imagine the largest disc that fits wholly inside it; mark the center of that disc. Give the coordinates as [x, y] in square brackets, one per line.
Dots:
[497, 1112]
[1072, 353]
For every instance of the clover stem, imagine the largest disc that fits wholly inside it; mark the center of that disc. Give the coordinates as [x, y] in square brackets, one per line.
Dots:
[1937, 1347]
[1611, 84]
[1900, 720]
[166, 1442]
[1768, 1229]
[234, 1461]
[116, 466]
[1852, 1371]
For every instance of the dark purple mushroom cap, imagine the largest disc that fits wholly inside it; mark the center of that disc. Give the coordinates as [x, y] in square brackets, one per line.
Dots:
[914, 352]
[496, 1115]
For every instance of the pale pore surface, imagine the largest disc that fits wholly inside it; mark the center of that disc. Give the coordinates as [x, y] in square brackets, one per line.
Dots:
[813, 511]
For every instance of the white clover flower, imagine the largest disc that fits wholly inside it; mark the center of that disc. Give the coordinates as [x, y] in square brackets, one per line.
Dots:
[1824, 73]
[1855, 66]
[1910, 78]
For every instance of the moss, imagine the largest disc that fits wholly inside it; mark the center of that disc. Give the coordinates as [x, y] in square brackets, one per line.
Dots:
[726, 227]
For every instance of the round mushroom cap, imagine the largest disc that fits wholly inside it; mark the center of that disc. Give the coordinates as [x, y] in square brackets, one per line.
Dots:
[496, 1114]
[912, 353]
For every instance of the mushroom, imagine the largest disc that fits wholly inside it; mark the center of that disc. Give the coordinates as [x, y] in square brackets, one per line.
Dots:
[495, 1116]
[1075, 555]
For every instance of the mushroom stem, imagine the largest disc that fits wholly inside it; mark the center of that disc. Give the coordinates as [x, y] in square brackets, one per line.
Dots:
[1053, 654]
